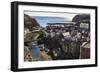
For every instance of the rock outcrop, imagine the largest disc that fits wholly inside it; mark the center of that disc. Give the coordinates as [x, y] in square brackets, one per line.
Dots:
[29, 22]
[81, 17]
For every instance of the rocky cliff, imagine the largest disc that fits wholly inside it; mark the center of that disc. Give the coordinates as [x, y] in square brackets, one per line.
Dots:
[29, 22]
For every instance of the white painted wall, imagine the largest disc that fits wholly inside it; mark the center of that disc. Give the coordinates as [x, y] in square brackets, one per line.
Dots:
[5, 16]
